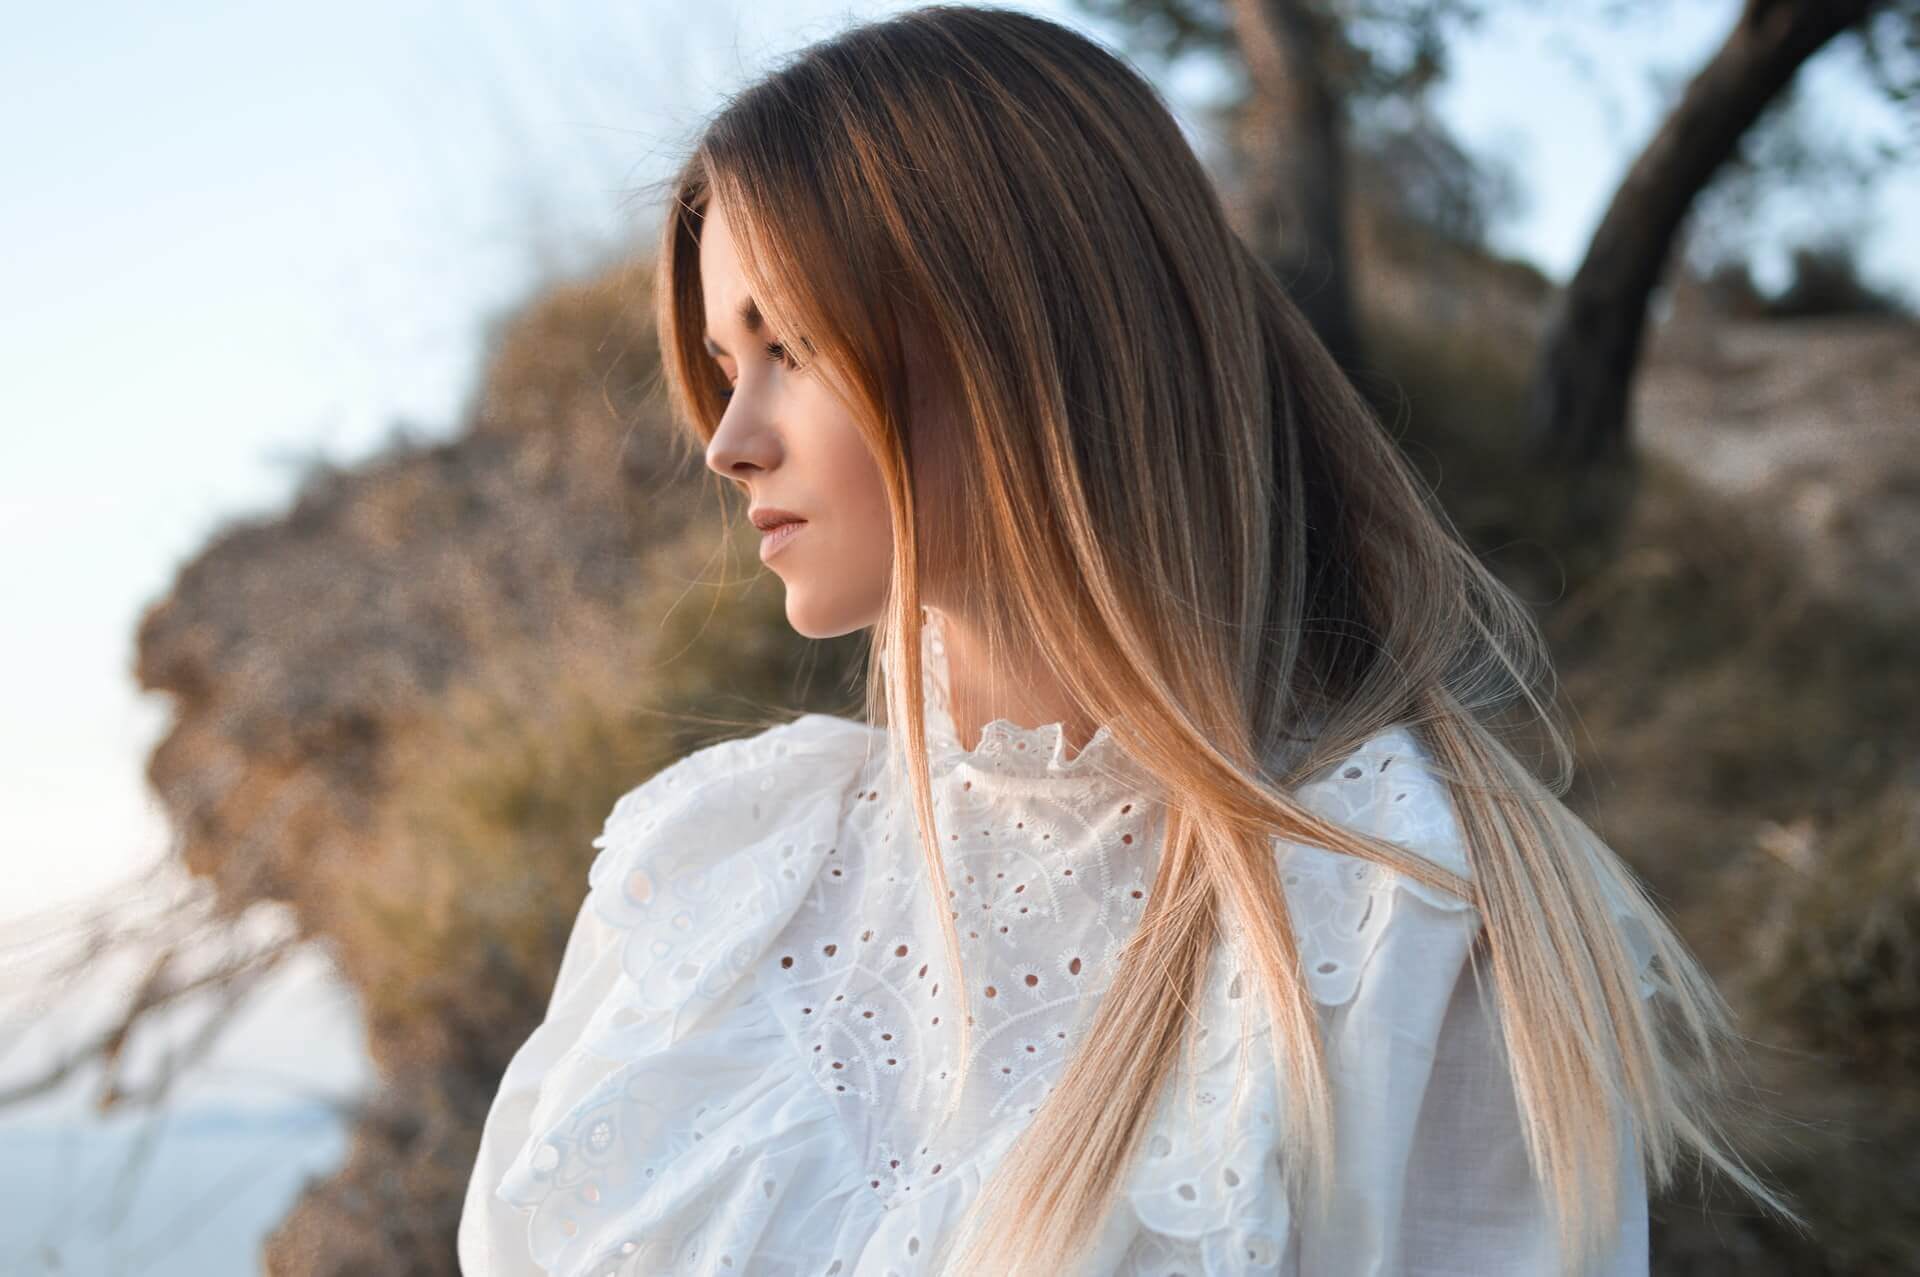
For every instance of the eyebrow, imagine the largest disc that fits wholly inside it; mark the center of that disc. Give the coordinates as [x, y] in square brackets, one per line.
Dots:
[748, 313]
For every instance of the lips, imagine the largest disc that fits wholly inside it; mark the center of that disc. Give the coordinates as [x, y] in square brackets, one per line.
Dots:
[778, 534]
[777, 527]
[768, 517]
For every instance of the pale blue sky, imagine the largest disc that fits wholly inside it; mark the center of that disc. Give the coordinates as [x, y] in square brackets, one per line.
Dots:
[238, 234]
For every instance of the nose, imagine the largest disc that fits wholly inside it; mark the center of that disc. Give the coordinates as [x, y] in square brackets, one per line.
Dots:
[740, 446]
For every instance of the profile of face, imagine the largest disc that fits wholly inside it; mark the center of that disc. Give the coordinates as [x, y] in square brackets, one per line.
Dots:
[791, 446]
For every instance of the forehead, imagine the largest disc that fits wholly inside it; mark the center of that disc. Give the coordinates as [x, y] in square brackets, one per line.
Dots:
[722, 287]
[723, 290]
[719, 266]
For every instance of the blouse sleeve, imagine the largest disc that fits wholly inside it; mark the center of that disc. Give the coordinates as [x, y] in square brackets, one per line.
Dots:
[1431, 1174]
[1473, 1204]
[682, 897]
[492, 1235]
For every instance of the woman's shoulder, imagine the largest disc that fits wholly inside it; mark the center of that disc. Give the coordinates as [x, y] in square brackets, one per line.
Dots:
[746, 786]
[778, 760]
[1343, 906]
[702, 863]
[1347, 909]
[1380, 953]
[699, 866]
[1388, 786]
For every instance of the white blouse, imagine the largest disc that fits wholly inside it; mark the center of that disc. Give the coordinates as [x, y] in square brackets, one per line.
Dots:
[751, 1035]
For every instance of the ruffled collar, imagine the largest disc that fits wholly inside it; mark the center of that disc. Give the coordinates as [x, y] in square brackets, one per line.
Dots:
[1006, 748]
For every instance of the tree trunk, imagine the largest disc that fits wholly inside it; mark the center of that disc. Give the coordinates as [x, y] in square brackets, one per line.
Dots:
[1578, 402]
[1296, 152]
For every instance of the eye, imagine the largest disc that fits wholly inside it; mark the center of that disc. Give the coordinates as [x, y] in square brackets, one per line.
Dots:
[778, 354]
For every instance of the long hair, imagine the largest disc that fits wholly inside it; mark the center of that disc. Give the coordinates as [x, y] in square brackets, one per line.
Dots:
[989, 235]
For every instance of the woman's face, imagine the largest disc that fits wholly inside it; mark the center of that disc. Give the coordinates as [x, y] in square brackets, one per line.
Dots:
[789, 443]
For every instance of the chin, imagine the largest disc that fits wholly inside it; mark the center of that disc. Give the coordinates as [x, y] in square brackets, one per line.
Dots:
[816, 618]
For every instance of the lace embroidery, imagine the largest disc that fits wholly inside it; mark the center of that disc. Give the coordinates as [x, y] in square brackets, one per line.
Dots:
[1005, 748]
[783, 1004]
[1050, 861]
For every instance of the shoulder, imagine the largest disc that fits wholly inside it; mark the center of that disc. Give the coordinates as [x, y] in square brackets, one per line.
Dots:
[1381, 954]
[1389, 787]
[782, 759]
[786, 761]
[1346, 909]
[701, 864]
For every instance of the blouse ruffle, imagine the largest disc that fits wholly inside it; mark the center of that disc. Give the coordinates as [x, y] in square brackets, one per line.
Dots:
[662, 1118]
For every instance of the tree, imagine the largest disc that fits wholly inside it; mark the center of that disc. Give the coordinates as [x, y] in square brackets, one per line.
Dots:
[1300, 70]
[1577, 406]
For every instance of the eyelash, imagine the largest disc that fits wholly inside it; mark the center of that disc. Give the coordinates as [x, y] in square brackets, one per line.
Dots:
[778, 354]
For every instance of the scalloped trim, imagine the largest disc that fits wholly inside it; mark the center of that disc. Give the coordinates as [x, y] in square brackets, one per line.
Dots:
[1004, 747]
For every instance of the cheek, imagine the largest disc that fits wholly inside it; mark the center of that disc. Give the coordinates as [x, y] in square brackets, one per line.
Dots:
[860, 498]
[838, 583]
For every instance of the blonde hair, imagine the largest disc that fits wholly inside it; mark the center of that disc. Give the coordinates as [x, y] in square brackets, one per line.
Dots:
[1171, 494]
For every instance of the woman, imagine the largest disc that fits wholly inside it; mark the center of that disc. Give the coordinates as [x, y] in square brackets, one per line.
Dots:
[1260, 952]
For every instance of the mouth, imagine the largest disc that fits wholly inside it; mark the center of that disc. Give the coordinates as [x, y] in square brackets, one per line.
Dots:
[773, 539]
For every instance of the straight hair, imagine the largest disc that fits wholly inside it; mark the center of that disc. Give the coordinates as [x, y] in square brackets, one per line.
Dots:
[1170, 492]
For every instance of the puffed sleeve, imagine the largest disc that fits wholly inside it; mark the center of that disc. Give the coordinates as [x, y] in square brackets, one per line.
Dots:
[1431, 1173]
[492, 1235]
[1472, 1203]
[699, 866]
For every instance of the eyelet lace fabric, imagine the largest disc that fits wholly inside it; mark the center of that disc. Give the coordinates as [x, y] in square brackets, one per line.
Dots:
[755, 1027]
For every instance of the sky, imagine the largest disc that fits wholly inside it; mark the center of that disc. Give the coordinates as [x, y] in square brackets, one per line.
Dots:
[241, 237]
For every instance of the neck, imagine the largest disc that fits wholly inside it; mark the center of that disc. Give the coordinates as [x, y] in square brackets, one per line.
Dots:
[983, 686]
